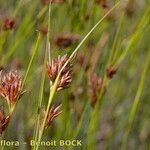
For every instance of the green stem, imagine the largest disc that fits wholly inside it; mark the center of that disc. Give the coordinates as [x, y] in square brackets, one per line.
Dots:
[94, 116]
[52, 93]
[135, 103]
[35, 48]
[48, 34]
[40, 97]
[135, 37]
[38, 133]
[113, 49]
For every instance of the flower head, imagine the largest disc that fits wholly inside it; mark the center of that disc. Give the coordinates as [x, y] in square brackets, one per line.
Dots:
[3, 121]
[111, 71]
[11, 87]
[66, 40]
[64, 81]
[54, 68]
[103, 3]
[94, 87]
[9, 23]
[52, 114]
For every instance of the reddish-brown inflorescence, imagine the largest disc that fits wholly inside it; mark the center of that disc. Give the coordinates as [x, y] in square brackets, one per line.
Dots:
[45, 2]
[111, 71]
[103, 3]
[94, 87]
[11, 87]
[52, 114]
[66, 40]
[80, 58]
[9, 23]
[64, 81]
[3, 121]
[54, 68]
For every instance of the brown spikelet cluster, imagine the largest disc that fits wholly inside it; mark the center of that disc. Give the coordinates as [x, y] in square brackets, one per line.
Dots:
[66, 40]
[80, 58]
[45, 2]
[4, 120]
[9, 23]
[54, 68]
[103, 3]
[52, 114]
[94, 87]
[82, 61]
[11, 87]
[111, 71]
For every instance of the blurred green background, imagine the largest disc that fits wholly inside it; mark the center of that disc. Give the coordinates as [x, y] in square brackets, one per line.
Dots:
[75, 18]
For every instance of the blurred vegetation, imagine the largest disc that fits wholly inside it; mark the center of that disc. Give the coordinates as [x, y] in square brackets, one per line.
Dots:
[121, 40]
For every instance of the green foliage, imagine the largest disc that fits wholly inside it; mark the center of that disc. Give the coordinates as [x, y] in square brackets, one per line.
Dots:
[117, 36]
